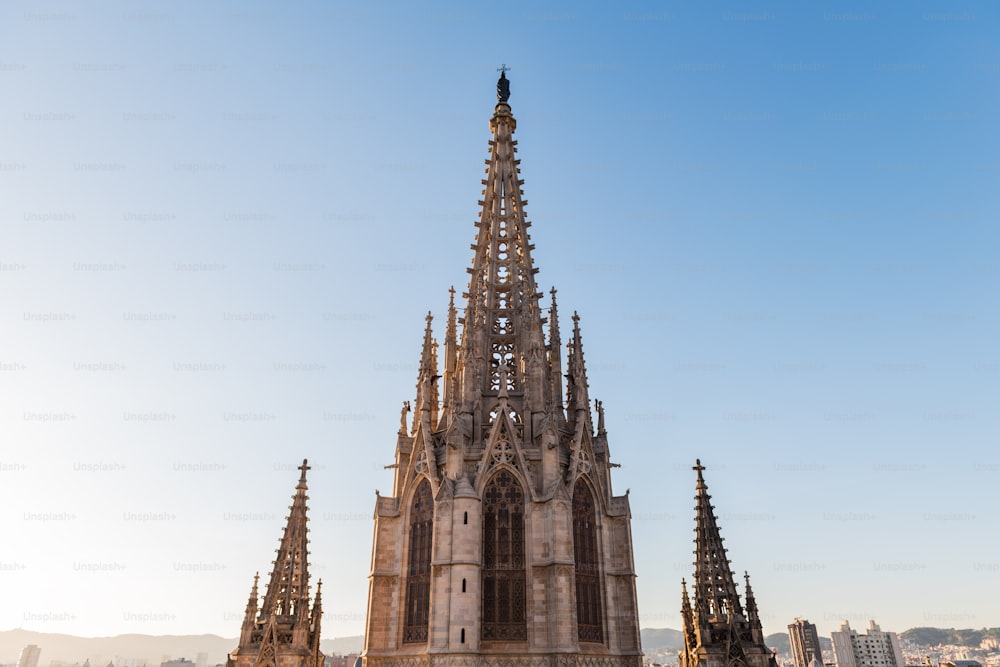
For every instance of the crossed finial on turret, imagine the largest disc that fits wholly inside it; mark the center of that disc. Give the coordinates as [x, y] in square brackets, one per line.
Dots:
[700, 486]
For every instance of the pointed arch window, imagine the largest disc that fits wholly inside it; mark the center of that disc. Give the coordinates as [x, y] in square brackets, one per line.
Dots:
[504, 617]
[590, 626]
[418, 575]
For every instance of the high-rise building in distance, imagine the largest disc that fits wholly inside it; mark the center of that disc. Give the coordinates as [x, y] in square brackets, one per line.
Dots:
[803, 641]
[178, 662]
[29, 656]
[875, 649]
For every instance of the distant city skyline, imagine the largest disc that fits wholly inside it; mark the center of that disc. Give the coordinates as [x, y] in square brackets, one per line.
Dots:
[225, 225]
[127, 651]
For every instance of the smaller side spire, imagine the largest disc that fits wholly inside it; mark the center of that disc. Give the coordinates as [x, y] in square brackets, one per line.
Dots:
[451, 357]
[578, 392]
[427, 351]
[583, 397]
[555, 359]
[254, 597]
[689, 628]
[315, 625]
[554, 341]
[427, 377]
[451, 334]
[434, 392]
[426, 417]
[288, 587]
[753, 616]
[687, 617]
[250, 616]
[317, 608]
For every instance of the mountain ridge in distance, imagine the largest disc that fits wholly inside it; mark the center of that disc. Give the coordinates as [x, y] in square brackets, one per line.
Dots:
[149, 650]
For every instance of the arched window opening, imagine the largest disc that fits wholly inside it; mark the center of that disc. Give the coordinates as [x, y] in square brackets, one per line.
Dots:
[418, 575]
[590, 627]
[503, 577]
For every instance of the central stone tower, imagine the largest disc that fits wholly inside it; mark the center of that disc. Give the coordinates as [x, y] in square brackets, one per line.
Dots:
[502, 542]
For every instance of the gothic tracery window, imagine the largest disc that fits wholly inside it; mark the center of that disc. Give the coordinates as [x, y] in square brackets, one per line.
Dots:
[418, 575]
[504, 617]
[590, 627]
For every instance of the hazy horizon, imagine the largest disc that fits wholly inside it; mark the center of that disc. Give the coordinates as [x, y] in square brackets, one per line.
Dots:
[225, 225]
[137, 646]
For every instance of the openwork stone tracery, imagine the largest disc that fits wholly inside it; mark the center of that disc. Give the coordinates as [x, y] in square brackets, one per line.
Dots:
[503, 560]
[590, 627]
[418, 575]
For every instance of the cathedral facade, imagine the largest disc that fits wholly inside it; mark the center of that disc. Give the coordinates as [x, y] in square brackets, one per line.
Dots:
[283, 628]
[502, 542]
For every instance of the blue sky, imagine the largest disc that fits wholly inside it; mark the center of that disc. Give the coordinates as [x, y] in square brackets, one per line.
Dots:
[224, 224]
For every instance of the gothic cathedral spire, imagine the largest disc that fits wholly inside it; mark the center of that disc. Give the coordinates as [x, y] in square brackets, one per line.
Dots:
[717, 633]
[283, 631]
[715, 591]
[500, 489]
[288, 588]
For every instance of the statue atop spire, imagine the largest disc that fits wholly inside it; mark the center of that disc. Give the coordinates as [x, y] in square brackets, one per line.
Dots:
[503, 85]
